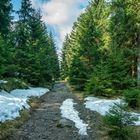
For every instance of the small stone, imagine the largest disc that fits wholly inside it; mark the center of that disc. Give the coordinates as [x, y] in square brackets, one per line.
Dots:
[64, 123]
[83, 137]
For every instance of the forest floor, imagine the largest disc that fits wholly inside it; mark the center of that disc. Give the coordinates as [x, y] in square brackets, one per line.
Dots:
[44, 121]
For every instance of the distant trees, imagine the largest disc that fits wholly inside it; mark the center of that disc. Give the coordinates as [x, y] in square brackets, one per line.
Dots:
[34, 57]
[103, 48]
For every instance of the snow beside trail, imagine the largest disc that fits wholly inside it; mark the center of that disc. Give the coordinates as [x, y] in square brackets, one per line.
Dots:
[68, 111]
[25, 93]
[3, 82]
[103, 105]
[11, 104]
[100, 105]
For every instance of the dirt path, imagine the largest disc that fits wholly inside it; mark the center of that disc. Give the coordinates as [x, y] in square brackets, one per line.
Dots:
[42, 124]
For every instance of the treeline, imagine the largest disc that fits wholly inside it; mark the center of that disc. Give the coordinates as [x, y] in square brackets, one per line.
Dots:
[102, 53]
[27, 49]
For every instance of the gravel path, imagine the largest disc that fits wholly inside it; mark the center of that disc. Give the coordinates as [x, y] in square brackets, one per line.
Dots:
[43, 123]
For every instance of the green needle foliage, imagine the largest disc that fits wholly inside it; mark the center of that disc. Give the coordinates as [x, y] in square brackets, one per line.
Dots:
[101, 54]
[132, 97]
[5, 17]
[29, 51]
[118, 120]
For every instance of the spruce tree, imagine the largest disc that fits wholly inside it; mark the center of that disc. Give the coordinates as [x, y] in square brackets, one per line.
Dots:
[5, 17]
[54, 58]
[124, 29]
[5, 46]
[65, 58]
[87, 42]
[35, 49]
[3, 54]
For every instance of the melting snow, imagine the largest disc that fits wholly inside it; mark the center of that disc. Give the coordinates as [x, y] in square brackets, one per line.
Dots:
[103, 105]
[3, 82]
[25, 93]
[68, 111]
[11, 104]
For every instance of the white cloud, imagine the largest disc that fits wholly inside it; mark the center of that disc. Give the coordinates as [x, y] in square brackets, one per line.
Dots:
[60, 14]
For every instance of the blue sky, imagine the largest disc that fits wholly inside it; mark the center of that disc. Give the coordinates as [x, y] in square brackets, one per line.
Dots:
[16, 5]
[59, 15]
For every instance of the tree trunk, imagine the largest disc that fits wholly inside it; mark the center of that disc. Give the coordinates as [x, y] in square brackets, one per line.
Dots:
[138, 68]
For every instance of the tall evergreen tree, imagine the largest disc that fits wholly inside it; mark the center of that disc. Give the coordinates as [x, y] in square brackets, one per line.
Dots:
[87, 41]
[5, 46]
[35, 49]
[3, 56]
[5, 17]
[65, 58]
[25, 13]
[104, 45]
[124, 29]
[54, 58]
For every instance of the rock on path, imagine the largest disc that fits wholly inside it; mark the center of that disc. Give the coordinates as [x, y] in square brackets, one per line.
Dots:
[44, 122]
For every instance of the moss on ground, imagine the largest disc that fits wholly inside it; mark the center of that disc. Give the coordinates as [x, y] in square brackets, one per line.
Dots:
[14, 83]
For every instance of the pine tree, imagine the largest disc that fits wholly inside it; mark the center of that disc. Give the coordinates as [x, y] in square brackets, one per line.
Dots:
[25, 11]
[65, 58]
[103, 44]
[5, 17]
[25, 14]
[118, 71]
[5, 45]
[124, 29]
[54, 58]
[35, 49]
[119, 120]
[87, 42]
[3, 54]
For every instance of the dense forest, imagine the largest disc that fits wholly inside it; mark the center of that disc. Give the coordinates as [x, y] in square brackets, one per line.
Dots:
[27, 49]
[100, 64]
[101, 55]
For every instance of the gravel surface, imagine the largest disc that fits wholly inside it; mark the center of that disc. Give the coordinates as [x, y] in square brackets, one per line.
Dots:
[44, 121]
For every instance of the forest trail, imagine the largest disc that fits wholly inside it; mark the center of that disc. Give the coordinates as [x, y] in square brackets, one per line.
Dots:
[43, 123]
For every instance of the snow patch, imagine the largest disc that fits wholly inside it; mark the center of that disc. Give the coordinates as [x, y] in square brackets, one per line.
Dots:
[11, 104]
[3, 82]
[68, 112]
[102, 106]
[25, 93]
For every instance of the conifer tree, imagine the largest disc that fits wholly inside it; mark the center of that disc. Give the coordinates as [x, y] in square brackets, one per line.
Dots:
[54, 58]
[5, 17]
[124, 29]
[65, 58]
[105, 45]
[35, 49]
[86, 42]
[5, 46]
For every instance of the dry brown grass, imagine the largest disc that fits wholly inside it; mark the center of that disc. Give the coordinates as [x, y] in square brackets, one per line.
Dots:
[137, 132]
[77, 93]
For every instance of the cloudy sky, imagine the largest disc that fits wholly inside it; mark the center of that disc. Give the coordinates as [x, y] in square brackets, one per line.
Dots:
[59, 15]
